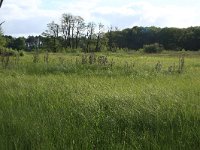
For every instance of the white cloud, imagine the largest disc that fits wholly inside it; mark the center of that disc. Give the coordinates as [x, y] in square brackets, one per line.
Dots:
[25, 17]
[169, 15]
[147, 14]
[31, 16]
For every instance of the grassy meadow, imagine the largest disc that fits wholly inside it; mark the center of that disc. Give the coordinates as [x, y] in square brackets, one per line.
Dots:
[133, 101]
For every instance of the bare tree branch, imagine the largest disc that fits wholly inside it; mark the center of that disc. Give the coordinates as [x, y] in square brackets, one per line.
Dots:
[1, 1]
[2, 23]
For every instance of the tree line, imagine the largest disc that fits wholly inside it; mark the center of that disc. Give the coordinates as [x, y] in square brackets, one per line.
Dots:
[169, 38]
[73, 33]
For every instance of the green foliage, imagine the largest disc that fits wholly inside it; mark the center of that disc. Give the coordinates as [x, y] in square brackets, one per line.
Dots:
[171, 38]
[21, 53]
[51, 44]
[10, 51]
[19, 43]
[2, 39]
[152, 48]
[15, 43]
[36, 56]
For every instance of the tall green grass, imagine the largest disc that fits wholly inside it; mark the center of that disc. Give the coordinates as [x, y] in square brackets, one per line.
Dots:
[67, 105]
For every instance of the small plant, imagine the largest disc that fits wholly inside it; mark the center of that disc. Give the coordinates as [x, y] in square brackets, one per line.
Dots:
[5, 54]
[172, 68]
[36, 56]
[112, 63]
[102, 60]
[128, 67]
[77, 61]
[5, 61]
[21, 53]
[158, 66]
[92, 58]
[84, 59]
[16, 58]
[181, 64]
[61, 60]
[46, 57]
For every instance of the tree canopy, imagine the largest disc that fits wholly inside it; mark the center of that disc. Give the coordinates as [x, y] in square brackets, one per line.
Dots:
[170, 38]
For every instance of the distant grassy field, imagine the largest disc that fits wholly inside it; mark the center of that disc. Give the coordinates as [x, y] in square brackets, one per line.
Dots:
[134, 101]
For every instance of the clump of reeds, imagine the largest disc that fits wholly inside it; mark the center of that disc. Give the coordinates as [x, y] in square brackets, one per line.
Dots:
[16, 58]
[102, 60]
[128, 67]
[36, 56]
[84, 59]
[158, 67]
[92, 58]
[5, 59]
[46, 57]
[61, 60]
[112, 63]
[181, 64]
[172, 68]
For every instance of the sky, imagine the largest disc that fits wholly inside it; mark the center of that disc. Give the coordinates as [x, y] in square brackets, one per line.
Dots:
[30, 17]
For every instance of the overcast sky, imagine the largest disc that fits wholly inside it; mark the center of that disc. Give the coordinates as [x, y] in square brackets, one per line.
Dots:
[30, 17]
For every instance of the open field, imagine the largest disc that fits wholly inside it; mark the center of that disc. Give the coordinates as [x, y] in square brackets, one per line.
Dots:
[132, 102]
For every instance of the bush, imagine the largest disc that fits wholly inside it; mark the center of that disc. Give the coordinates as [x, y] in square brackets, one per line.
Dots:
[152, 48]
[7, 51]
[21, 53]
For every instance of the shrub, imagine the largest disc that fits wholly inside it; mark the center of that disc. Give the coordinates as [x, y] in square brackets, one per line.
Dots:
[7, 51]
[152, 48]
[21, 53]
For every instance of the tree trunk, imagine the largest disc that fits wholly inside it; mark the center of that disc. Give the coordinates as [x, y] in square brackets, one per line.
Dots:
[97, 44]
[1, 1]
